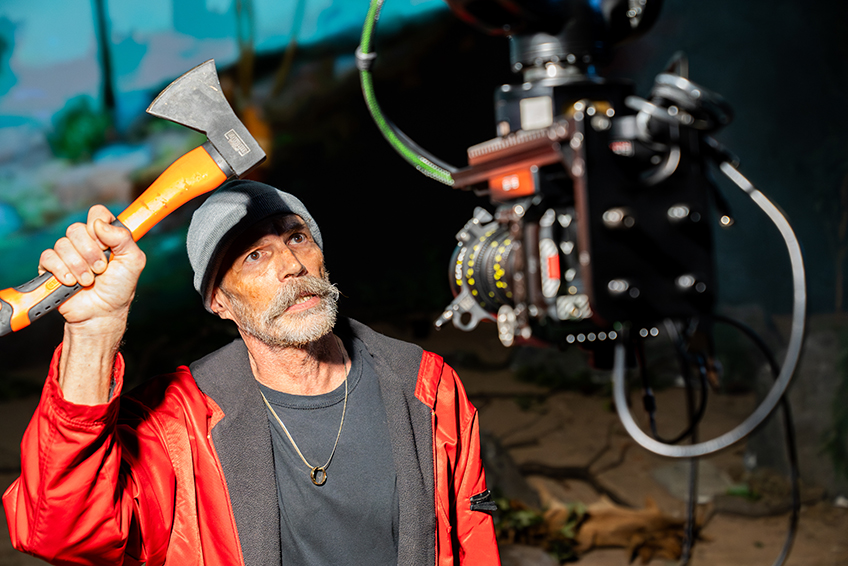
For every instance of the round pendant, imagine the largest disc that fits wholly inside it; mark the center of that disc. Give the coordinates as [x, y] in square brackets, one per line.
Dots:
[318, 475]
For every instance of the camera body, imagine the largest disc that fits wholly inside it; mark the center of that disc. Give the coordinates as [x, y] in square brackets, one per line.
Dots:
[603, 200]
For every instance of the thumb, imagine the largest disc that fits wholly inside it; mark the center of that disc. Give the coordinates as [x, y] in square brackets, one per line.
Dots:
[118, 238]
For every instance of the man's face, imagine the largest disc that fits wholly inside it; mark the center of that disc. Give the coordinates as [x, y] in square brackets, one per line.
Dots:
[276, 288]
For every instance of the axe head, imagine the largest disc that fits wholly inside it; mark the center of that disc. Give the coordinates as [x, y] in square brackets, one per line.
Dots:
[195, 100]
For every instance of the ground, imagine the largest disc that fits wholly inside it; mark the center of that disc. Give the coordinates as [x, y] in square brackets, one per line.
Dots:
[567, 429]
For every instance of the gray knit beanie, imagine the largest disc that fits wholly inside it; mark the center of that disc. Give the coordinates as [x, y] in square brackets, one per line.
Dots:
[225, 215]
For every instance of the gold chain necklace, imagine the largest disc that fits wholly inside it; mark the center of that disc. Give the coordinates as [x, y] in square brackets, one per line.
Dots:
[318, 474]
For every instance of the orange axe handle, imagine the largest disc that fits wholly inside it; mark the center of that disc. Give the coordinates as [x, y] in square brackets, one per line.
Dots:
[192, 175]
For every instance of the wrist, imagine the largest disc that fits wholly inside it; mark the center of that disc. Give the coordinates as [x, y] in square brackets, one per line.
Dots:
[101, 329]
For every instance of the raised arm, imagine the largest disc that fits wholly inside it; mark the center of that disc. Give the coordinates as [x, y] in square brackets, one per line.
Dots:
[76, 502]
[96, 317]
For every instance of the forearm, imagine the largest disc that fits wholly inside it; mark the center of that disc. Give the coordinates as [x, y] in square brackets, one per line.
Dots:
[96, 316]
[87, 361]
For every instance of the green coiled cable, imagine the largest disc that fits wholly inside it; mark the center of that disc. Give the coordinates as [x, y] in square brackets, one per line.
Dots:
[405, 147]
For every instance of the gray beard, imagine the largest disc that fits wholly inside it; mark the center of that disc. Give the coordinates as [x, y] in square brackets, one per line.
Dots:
[278, 329]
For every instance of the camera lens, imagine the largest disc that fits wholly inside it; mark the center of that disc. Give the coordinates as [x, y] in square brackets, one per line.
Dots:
[486, 267]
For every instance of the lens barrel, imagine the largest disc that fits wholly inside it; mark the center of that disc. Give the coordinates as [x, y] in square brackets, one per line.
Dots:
[485, 266]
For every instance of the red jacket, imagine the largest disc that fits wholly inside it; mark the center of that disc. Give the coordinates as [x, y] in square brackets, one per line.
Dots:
[158, 477]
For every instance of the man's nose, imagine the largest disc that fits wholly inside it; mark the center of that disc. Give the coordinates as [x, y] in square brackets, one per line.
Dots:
[288, 264]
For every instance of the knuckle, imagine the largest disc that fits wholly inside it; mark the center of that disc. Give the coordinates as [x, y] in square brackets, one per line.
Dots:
[62, 244]
[98, 211]
[140, 258]
[47, 257]
[76, 264]
[91, 257]
[75, 229]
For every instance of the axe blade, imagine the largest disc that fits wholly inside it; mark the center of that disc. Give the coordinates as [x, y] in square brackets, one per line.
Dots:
[195, 100]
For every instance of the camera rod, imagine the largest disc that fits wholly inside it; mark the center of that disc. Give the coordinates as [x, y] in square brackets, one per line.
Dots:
[775, 394]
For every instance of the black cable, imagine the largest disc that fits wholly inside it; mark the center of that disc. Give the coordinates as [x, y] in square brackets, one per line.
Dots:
[692, 500]
[793, 348]
[649, 400]
[789, 431]
[691, 430]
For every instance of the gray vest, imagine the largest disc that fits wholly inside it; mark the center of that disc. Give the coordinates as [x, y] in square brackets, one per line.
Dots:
[242, 440]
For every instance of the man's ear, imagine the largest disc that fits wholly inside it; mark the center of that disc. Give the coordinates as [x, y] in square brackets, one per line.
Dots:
[220, 304]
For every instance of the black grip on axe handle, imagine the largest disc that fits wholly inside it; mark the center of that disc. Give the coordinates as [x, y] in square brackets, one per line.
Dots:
[56, 297]
[5, 318]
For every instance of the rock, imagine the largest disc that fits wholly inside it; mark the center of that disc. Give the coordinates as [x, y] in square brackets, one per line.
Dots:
[523, 555]
[29, 189]
[24, 144]
[502, 474]
[106, 179]
[771, 495]
[123, 157]
[675, 478]
[816, 384]
[87, 184]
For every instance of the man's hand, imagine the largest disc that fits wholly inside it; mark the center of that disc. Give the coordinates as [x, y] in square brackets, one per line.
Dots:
[96, 316]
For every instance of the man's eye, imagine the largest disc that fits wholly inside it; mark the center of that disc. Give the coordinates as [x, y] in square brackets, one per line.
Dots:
[298, 238]
[253, 256]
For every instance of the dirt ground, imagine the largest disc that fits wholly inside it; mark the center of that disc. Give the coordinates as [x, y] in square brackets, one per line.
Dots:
[568, 429]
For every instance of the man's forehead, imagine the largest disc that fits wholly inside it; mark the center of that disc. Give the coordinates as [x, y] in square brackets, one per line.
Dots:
[274, 225]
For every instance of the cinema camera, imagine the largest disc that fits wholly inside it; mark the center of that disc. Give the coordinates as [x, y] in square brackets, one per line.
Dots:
[602, 206]
[603, 201]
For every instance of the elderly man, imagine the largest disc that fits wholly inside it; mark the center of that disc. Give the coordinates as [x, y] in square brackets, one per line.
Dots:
[308, 441]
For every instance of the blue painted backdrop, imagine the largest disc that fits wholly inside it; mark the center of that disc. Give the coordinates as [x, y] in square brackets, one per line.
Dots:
[49, 51]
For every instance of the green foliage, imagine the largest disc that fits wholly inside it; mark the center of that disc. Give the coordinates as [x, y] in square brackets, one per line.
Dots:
[576, 514]
[517, 520]
[745, 491]
[516, 524]
[836, 439]
[79, 130]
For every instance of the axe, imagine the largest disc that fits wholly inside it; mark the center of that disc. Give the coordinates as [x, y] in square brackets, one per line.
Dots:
[194, 100]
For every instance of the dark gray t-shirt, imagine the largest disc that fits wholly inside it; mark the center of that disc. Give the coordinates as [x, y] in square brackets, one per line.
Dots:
[353, 518]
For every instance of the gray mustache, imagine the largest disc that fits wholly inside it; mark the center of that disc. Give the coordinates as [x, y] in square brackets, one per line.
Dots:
[289, 293]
